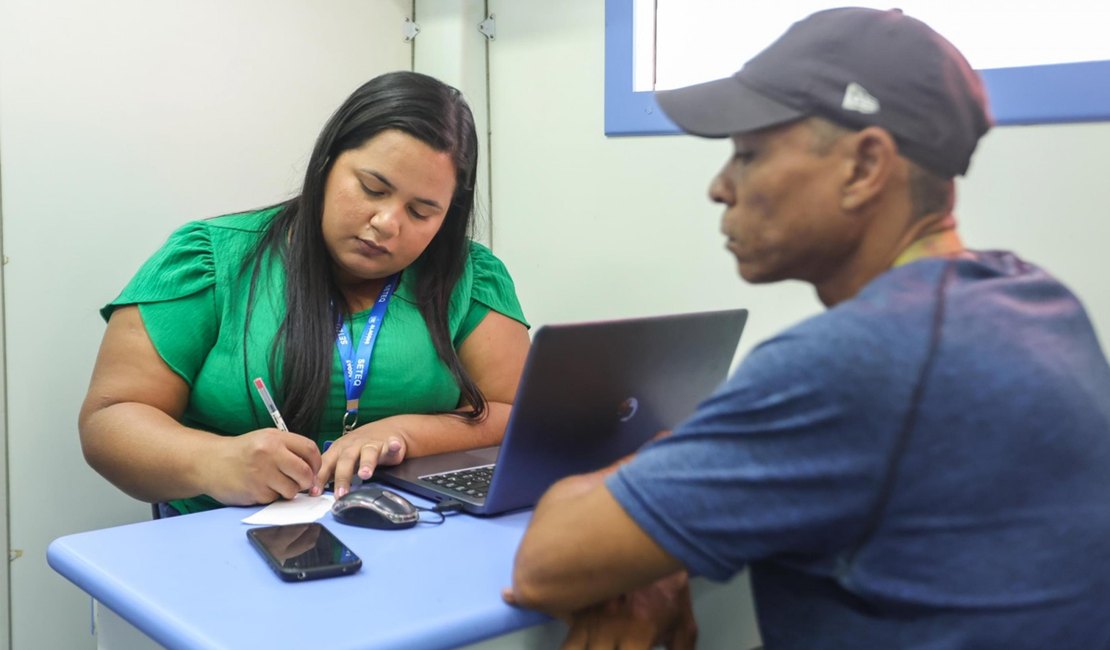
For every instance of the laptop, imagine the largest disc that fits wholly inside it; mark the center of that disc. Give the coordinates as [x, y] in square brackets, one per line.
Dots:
[590, 393]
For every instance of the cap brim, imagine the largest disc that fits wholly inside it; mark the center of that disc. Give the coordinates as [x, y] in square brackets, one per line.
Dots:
[718, 109]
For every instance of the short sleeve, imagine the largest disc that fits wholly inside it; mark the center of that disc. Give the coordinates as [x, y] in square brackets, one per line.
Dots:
[175, 293]
[771, 464]
[493, 290]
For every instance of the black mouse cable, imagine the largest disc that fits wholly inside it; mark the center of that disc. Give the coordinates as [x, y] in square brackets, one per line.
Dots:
[443, 508]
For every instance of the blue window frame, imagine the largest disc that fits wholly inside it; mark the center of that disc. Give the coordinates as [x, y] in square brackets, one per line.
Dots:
[1063, 92]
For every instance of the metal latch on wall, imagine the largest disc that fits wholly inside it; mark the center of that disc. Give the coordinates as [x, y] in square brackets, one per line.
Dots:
[488, 27]
[409, 29]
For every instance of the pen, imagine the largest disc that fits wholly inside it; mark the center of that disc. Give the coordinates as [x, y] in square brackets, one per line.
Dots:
[270, 406]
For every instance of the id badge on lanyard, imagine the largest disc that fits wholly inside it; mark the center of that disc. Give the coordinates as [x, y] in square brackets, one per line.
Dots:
[356, 360]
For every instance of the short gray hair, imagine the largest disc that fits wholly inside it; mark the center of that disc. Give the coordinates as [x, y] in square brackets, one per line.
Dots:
[929, 193]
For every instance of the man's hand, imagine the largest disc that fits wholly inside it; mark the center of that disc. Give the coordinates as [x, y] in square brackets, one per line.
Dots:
[658, 614]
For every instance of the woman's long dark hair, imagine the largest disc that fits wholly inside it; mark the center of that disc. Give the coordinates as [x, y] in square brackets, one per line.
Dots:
[432, 112]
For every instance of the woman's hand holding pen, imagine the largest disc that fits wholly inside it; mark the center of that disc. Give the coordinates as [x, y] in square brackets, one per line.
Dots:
[262, 466]
[361, 451]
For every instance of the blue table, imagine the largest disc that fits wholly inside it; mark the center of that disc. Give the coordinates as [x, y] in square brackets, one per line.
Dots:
[196, 582]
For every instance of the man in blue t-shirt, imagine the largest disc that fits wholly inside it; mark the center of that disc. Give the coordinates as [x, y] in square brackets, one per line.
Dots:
[926, 464]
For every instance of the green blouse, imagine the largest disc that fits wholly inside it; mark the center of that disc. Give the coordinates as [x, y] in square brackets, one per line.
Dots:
[192, 296]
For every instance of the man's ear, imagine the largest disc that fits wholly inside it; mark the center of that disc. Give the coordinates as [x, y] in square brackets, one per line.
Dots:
[873, 160]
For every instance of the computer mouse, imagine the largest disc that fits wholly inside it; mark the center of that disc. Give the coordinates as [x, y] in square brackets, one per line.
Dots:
[374, 507]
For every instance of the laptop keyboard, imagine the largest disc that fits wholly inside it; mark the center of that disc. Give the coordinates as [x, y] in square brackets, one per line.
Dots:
[472, 482]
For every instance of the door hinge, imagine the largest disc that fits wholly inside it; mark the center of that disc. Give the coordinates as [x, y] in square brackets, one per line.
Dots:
[409, 30]
[488, 27]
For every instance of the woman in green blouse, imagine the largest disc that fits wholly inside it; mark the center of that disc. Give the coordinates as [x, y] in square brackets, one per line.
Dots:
[380, 328]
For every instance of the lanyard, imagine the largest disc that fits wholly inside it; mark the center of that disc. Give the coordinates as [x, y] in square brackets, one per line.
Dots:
[945, 242]
[356, 362]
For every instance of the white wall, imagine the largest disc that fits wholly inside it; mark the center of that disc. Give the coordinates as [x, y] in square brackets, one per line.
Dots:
[119, 121]
[5, 547]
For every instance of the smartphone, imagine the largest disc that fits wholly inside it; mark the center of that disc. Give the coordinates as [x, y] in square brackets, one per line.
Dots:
[303, 551]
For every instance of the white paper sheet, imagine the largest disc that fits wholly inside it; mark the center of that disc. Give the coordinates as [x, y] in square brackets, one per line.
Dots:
[300, 510]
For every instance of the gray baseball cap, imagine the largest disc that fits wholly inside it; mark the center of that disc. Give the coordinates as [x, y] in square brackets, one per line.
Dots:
[856, 67]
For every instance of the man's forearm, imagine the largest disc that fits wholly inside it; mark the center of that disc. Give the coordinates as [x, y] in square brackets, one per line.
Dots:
[582, 548]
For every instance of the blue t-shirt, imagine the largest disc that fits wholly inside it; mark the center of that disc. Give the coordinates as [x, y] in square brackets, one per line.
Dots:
[903, 471]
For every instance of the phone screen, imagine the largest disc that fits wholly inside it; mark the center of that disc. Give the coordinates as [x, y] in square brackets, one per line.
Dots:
[303, 551]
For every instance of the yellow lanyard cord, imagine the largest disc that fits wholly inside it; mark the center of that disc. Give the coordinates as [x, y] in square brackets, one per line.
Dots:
[940, 244]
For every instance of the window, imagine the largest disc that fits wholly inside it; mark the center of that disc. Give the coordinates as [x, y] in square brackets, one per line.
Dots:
[1041, 63]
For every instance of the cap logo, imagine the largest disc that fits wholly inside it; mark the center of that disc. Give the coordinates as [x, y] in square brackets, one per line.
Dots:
[856, 98]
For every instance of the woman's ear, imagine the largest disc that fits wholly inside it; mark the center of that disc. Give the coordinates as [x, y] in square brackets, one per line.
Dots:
[873, 159]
